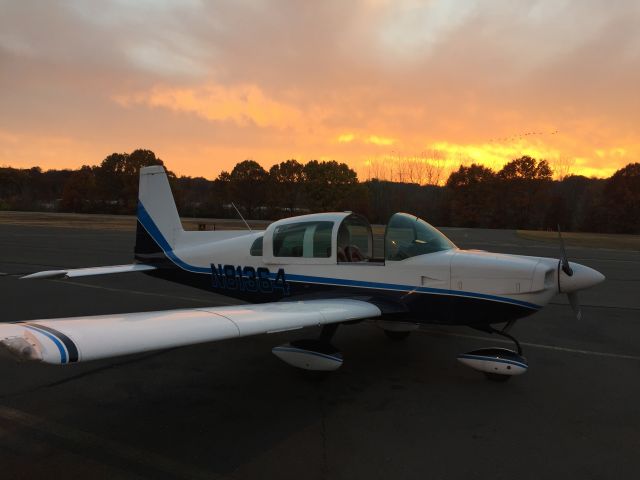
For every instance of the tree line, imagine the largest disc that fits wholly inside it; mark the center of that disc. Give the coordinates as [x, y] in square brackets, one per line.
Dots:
[521, 195]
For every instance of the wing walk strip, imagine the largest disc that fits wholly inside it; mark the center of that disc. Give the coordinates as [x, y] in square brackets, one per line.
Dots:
[68, 349]
[148, 224]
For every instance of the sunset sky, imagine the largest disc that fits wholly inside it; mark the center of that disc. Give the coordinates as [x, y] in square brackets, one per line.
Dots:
[206, 84]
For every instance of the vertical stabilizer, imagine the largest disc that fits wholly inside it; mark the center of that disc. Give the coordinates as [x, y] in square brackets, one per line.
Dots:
[159, 225]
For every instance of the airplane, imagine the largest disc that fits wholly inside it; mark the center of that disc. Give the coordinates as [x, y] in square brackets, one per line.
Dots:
[308, 270]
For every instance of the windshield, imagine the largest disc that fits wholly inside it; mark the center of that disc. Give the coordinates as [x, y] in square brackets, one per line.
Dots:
[408, 236]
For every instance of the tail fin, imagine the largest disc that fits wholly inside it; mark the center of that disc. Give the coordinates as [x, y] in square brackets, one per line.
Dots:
[158, 222]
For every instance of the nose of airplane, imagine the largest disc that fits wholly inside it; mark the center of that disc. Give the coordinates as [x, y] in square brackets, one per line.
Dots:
[583, 277]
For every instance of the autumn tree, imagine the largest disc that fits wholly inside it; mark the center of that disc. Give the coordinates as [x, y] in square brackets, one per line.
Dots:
[570, 200]
[246, 186]
[286, 183]
[621, 200]
[524, 193]
[117, 179]
[526, 168]
[79, 189]
[328, 185]
[12, 184]
[472, 195]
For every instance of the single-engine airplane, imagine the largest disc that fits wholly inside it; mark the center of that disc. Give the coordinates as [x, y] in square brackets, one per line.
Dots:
[308, 270]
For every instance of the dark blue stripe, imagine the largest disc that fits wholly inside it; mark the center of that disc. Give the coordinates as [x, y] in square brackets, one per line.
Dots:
[72, 350]
[147, 222]
[490, 359]
[149, 225]
[58, 343]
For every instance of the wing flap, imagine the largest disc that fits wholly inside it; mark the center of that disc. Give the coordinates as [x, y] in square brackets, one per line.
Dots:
[280, 316]
[70, 340]
[85, 272]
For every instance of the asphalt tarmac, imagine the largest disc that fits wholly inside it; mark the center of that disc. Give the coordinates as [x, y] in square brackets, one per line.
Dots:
[401, 410]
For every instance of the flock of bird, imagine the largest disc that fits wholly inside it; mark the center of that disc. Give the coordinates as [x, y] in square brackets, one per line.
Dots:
[521, 136]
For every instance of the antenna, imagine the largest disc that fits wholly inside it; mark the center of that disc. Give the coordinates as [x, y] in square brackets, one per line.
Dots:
[245, 222]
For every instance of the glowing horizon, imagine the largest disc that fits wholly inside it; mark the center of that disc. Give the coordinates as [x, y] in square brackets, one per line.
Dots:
[370, 83]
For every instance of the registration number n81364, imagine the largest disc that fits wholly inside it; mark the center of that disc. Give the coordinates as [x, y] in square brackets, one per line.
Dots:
[248, 279]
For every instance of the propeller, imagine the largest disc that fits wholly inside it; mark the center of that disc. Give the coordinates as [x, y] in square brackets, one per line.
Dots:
[564, 261]
[575, 305]
[566, 268]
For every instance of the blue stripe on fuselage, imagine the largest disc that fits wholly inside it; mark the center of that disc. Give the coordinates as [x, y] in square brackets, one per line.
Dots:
[149, 225]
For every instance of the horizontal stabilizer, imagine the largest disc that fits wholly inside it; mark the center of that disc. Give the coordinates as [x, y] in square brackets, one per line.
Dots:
[86, 272]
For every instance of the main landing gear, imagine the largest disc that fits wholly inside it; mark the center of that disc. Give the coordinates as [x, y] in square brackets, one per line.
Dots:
[498, 364]
[318, 354]
[312, 354]
[396, 330]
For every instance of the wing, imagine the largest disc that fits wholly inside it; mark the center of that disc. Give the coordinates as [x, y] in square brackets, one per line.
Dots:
[84, 272]
[70, 340]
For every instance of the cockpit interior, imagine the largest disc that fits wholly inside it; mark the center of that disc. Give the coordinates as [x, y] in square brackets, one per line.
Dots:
[405, 236]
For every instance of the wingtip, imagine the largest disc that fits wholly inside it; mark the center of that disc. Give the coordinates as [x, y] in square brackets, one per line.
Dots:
[22, 349]
[48, 274]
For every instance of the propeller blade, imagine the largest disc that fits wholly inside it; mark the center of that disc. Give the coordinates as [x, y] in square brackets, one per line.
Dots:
[575, 305]
[566, 268]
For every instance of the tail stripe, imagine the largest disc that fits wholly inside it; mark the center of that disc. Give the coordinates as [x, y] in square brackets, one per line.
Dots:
[149, 225]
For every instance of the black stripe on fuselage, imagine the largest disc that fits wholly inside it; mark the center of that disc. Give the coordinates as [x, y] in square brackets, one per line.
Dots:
[72, 350]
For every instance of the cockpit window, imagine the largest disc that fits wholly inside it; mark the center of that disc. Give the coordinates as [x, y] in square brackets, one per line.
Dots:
[304, 239]
[355, 240]
[408, 236]
[256, 247]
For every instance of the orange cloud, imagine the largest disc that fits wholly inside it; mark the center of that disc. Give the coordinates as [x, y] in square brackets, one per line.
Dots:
[346, 138]
[207, 85]
[46, 151]
[376, 140]
[241, 104]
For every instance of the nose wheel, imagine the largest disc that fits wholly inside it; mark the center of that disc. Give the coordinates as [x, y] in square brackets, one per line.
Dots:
[497, 364]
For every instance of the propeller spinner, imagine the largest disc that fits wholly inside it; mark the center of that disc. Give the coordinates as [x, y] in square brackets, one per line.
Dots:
[573, 277]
